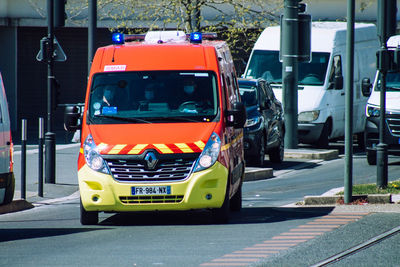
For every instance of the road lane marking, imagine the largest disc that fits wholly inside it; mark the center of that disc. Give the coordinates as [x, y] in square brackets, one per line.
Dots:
[319, 226]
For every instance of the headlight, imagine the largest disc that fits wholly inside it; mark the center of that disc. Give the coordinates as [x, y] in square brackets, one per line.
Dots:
[308, 116]
[251, 121]
[93, 157]
[372, 111]
[210, 153]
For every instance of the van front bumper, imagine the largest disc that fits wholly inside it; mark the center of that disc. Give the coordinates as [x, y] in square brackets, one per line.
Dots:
[392, 138]
[204, 189]
[309, 132]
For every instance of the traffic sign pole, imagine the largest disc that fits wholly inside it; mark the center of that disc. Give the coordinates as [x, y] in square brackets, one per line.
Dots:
[290, 40]
[50, 144]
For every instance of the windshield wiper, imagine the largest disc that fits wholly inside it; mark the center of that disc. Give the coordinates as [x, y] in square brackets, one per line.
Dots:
[393, 88]
[172, 119]
[122, 118]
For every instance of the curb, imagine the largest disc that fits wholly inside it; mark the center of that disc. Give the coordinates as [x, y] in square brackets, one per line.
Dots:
[255, 174]
[311, 154]
[16, 205]
[335, 200]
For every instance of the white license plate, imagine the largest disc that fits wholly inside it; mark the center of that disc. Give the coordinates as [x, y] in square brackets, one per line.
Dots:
[151, 190]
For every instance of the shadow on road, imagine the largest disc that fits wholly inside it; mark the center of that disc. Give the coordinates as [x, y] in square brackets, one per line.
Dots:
[245, 216]
[31, 233]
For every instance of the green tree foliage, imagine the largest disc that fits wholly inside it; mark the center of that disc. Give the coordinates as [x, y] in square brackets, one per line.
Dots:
[236, 21]
[239, 22]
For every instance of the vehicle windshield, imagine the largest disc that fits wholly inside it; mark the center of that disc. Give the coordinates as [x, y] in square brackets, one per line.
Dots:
[392, 82]
[266, 65]
[248, 95]
[153, 96]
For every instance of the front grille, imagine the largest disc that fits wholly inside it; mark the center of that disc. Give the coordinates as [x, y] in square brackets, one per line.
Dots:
[128, 170]
[151, 199]
[393, 122]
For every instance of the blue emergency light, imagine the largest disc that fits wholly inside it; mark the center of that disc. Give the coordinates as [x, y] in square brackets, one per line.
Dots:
[118, 38]
[196, 37]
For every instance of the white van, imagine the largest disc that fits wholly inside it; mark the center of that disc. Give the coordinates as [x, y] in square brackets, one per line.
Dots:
[392, 129]
[7, 180]
[321, 87]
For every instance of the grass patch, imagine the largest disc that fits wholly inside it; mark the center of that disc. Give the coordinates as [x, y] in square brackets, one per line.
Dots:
[364, 189]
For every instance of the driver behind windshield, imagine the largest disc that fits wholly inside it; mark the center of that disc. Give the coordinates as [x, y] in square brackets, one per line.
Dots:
[192, 99]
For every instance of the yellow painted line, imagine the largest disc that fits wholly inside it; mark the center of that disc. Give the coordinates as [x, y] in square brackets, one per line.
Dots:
[163, 148]
[334, 220]
[303, 233]
[312, 229]
[342, 217]
[116, 149]
[184, 147]
[200, 144]
[293, 237]
[251, 252]
[275, 246]
[247, 255]
[326, 223]
[136, 149]
[102, 146]
[262, 249]
[225, 147]
[327, 226]
[353, 213]
[235, 260]
[224, 264]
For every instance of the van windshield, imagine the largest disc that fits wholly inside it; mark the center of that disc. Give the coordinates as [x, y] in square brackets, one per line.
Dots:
[392, 82]
[153, 96]
[265, 64]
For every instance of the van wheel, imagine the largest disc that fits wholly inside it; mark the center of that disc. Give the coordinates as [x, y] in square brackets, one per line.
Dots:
[323, 141]
[88, 217]
[361, 141]
[221, 215]
[236, 201]
[371, 157]
[9, 194]
[277, 153]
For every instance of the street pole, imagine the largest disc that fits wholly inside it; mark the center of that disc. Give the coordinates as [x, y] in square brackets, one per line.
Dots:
[289, 28]
[50, 136]
[383, 66]
[348, 183]
[92, 25]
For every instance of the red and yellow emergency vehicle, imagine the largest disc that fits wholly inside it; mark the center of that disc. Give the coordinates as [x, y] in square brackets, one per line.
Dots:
[162, 127]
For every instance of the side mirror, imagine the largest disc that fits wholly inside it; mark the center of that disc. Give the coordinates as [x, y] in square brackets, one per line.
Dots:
[366, 87]
[236, 117]
[338, 81]
[71, 118]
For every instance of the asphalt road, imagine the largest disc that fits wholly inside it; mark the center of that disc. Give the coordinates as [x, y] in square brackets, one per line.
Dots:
[51, 235]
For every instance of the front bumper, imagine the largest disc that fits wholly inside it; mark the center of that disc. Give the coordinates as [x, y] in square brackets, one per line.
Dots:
[392, 139]
[309, 132]
[100, 192]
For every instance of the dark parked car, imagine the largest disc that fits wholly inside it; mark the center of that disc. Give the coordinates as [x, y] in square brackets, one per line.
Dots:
[264, 129]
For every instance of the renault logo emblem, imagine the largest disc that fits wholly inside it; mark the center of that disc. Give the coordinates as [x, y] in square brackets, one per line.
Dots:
[151, 160]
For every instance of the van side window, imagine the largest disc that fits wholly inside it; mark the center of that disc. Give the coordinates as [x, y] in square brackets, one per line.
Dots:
[235, 86]
[224, 91]
[336, 70]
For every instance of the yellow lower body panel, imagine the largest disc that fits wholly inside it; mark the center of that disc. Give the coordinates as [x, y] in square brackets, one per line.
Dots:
[204, 189]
